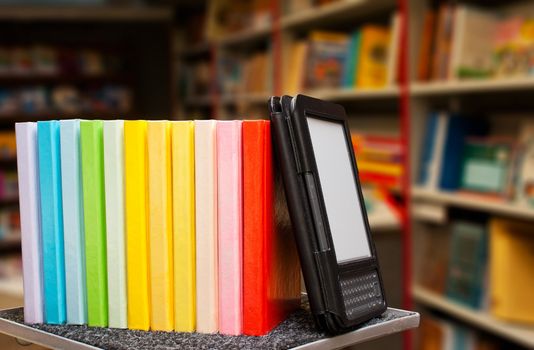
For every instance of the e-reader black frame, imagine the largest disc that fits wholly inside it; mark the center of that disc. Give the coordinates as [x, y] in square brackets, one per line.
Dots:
[320, 266]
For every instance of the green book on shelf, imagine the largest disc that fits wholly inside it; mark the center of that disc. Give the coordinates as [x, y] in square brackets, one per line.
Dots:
[486, 165]
[94, 211]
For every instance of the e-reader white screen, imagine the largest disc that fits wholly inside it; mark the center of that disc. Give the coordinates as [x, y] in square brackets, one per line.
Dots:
[339, 189]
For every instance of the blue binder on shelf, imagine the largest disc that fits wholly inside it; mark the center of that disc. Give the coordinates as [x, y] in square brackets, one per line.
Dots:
[48, 140]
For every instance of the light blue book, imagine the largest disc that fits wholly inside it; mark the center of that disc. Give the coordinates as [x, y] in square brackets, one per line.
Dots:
[51, 221]
[71, 181]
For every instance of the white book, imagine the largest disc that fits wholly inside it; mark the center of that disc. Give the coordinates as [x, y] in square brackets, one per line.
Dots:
[73, 227]
[30, 221]
[115, 227]
[206, 226]
[437, 152]
[472, 46]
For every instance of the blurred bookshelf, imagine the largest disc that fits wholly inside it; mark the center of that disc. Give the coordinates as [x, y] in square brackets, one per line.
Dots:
[469, 106]
[59, 61]
[523, 336]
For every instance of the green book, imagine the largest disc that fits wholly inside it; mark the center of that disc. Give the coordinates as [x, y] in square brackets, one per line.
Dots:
[94, 214]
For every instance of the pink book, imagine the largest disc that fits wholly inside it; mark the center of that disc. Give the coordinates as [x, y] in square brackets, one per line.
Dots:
[230, 229]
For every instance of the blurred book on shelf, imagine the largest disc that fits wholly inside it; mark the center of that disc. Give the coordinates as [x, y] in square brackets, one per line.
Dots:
[53, 61]
[459, 153]
[64, 99]
[380, 160]
[8, 145]
[241, 74]
[466, 274]
[442, 334]
[8, 185]
[511, 279]
[364, 58]
[226, 17]
[9, 224]
[482, 264]
[460, 41]
[295, 6]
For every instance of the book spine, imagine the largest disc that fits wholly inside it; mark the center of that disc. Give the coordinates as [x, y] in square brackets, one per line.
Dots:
[115, 227]
[30, 221]
[206, 225]
[92, 150]
[135, 165]
[160, 225]
[230, 227]
[254, 226]
[73, 224]
[183, 173]
[52, 221]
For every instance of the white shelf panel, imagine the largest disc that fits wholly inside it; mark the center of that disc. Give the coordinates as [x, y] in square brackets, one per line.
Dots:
[345, 94]
[12, 287]
[474, 202]
[86, 13]
[471, 86]
[336, 11]
[522, 335]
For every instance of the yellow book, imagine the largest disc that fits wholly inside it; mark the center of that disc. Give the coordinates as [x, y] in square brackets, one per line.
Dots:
[135, 165]
[511, 270]
[183, 181]
[377, 167]
[160, 226]
[372, 71]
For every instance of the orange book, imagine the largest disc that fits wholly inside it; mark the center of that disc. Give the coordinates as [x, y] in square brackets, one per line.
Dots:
[425, 50]
[271, 270]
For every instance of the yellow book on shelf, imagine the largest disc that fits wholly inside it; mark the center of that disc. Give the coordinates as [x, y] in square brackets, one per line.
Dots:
[183, 182]
[160, 226]
[135, 165]
[294, 77]
[511, 270]
[391, 169]
[372, 71]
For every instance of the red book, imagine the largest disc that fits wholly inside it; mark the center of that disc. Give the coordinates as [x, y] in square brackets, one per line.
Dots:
[271, 269]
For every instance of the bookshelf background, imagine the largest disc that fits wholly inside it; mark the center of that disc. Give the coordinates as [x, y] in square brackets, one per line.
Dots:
[174, 69]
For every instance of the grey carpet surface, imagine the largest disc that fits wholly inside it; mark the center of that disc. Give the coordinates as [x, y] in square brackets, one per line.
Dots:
[297, 330]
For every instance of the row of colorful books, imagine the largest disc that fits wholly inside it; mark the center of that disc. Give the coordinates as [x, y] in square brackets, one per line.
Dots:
[464, 41]
[459, 154]
[366, 58]
[483, 264]
[154, 225]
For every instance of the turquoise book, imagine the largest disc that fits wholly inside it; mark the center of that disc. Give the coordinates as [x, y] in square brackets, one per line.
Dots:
[51, 221]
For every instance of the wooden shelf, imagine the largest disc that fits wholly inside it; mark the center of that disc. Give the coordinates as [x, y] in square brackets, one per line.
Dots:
[252, 98]
[199, 101]
[518, 334]
[245, 36]
[14, 118]
[345, 94]
[12, 287]
[10, 244]
[86, 13]
[474, 202]
[337, 11]
[61, 78]
[471, 86]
